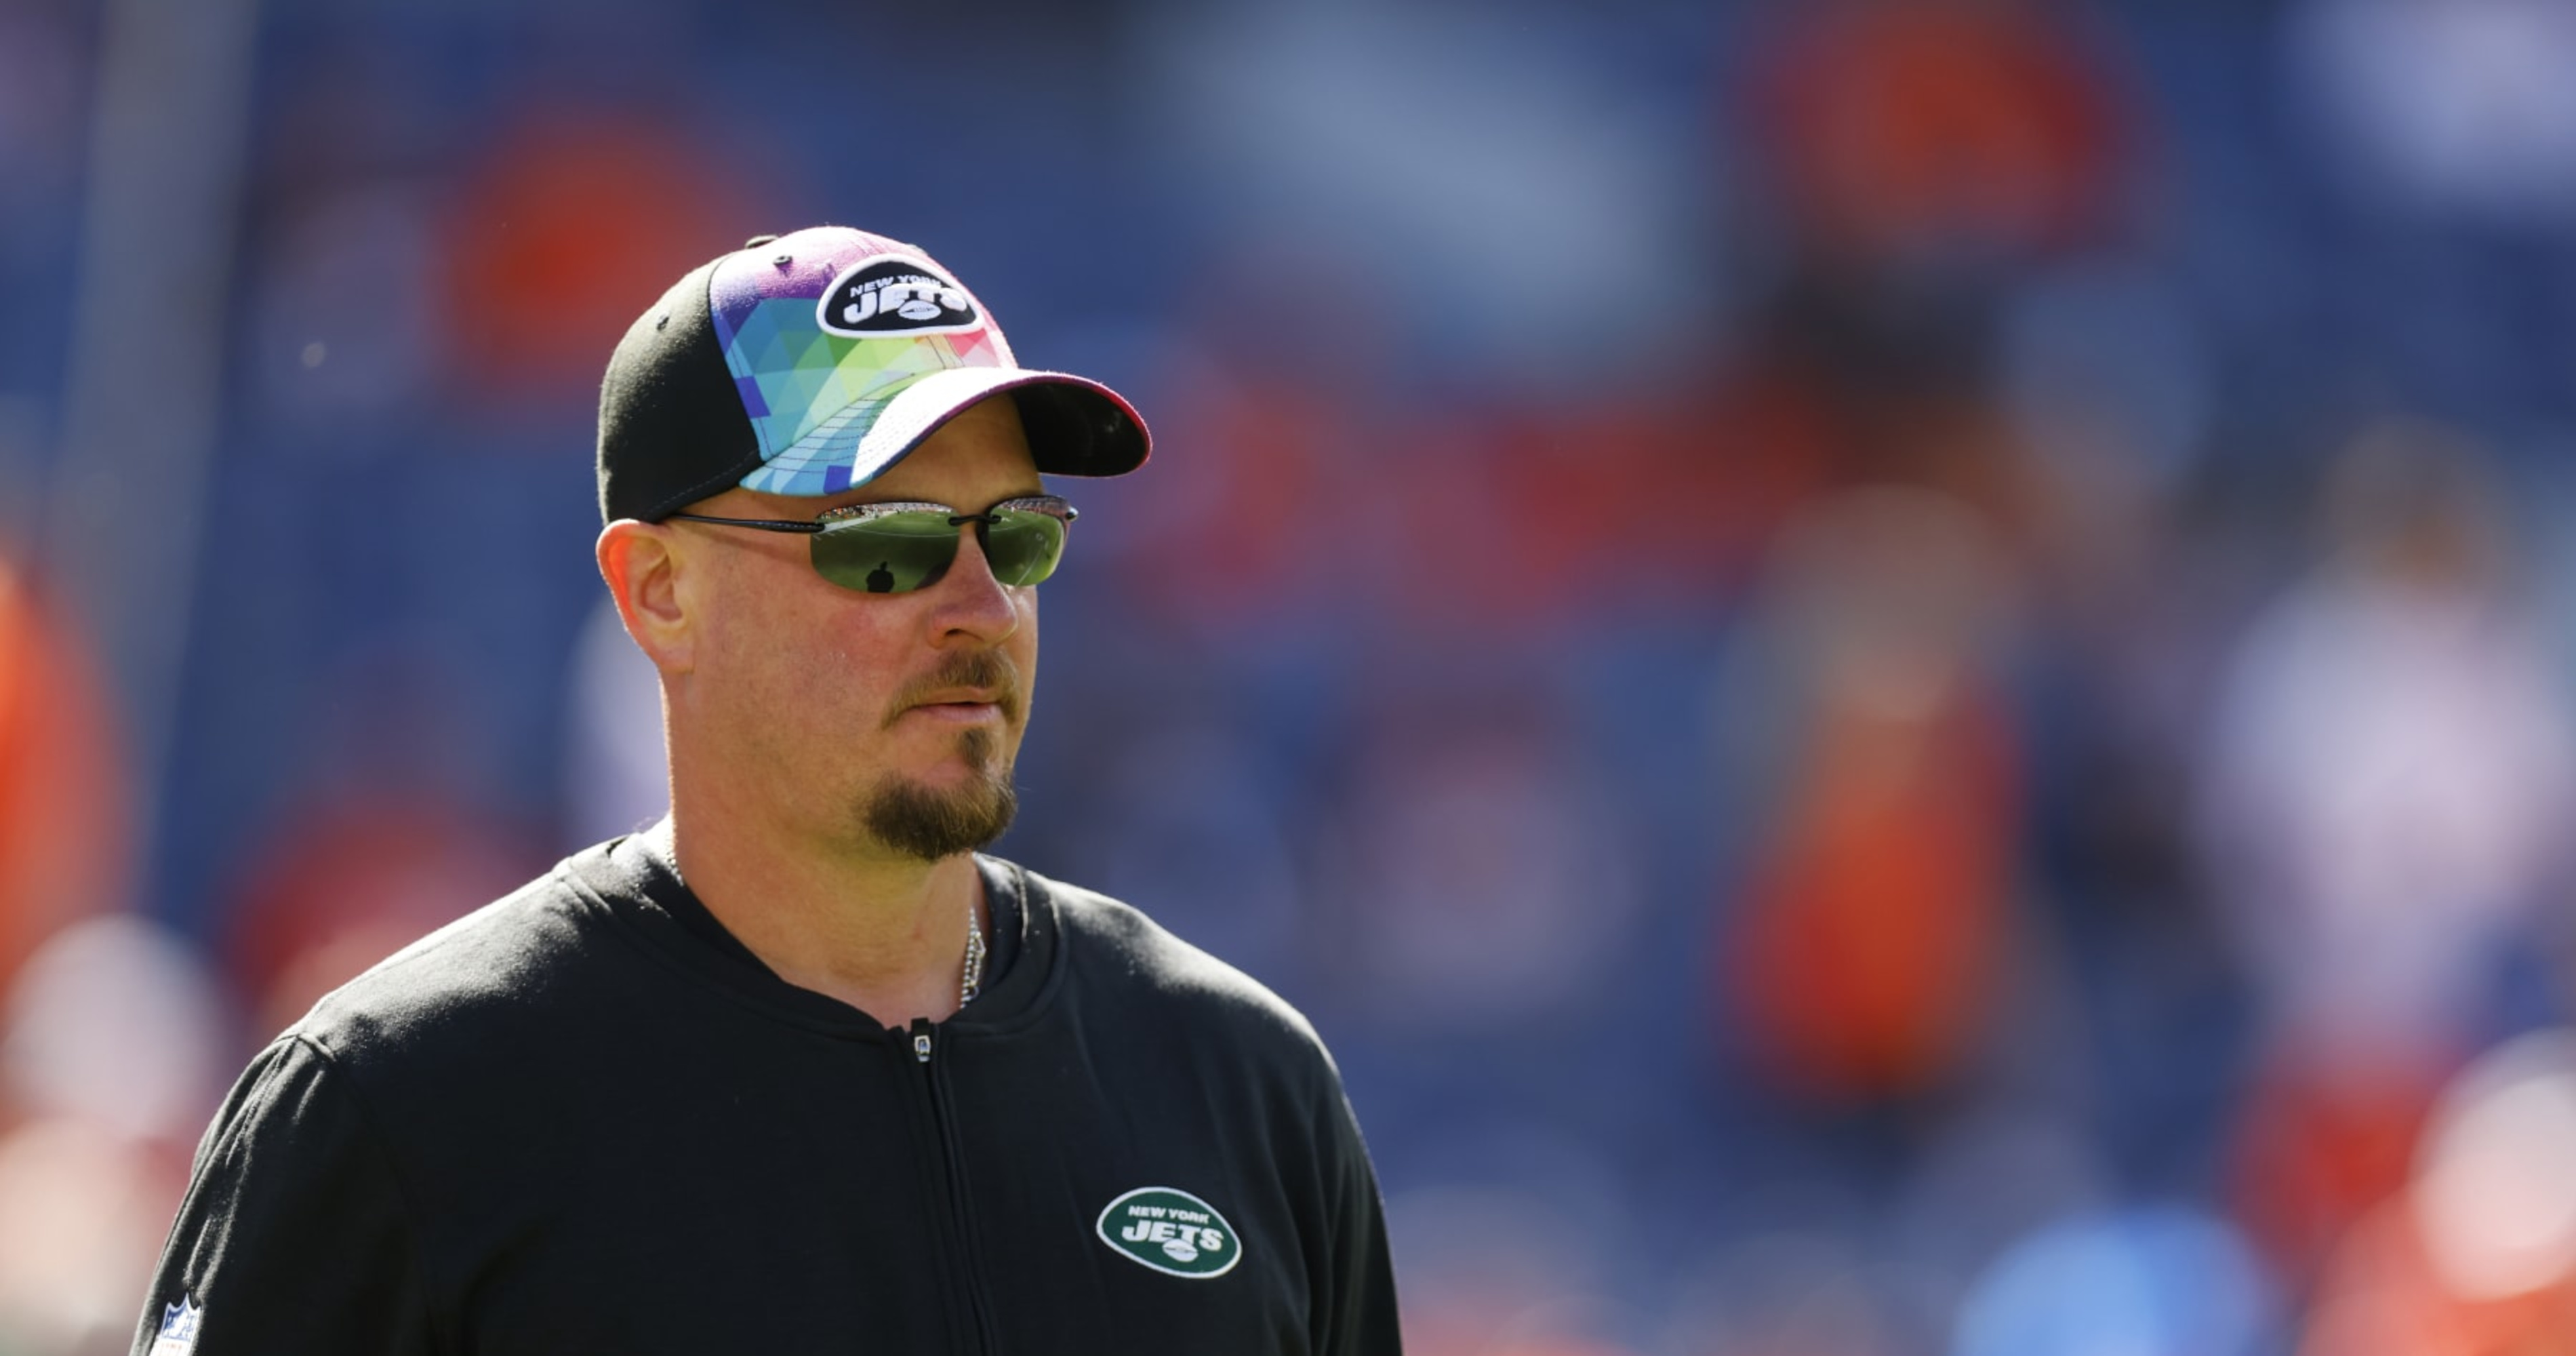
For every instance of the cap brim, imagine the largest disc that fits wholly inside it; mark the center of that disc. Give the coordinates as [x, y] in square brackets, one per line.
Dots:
[1075, 426]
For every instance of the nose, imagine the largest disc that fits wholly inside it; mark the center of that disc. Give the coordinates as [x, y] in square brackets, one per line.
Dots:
[968, 601]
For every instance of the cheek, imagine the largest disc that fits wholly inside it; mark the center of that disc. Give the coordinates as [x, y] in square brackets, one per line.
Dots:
[790, 673]
[837, 671]
[1022, 647]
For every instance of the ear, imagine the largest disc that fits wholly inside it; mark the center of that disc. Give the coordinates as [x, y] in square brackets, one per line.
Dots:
[641, 562]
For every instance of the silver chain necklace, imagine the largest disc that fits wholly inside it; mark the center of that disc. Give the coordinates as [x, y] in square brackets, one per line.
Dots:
[973, 983]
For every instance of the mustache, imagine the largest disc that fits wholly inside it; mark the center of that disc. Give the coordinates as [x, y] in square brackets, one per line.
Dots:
[987, 670]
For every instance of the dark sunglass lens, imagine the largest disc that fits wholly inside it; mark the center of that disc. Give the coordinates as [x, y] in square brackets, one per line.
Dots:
[893, 553]
[1023, 546]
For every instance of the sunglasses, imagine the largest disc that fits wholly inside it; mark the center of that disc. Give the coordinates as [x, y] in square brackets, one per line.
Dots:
[896, 548]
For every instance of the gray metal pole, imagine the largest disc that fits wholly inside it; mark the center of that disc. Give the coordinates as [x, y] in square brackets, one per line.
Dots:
[143, 399]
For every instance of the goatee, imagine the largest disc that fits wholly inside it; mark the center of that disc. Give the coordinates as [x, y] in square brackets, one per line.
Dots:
[919, 822]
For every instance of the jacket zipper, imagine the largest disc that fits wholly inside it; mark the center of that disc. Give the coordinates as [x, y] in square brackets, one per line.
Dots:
[952, 1165]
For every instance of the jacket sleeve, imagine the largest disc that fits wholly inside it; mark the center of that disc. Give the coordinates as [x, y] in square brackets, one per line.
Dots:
[1357, 1315]
[294, 1236]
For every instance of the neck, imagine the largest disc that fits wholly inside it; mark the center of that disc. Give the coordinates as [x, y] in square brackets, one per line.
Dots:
[883, 933]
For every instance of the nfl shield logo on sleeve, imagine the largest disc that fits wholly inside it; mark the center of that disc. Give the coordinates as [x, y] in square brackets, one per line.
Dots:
[178, 1328]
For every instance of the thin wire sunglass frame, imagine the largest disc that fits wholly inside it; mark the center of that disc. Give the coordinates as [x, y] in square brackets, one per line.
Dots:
[1053, 506]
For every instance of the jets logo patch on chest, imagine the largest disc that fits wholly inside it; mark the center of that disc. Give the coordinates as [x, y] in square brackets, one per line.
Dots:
[1170, 1231]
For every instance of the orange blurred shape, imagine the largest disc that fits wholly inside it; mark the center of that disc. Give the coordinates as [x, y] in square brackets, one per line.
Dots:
[1236, 529]
[1540, 513]
[1873, 929]
[2380, 1295]
[2318, 1144]
[1687, 490]
[1459, 1333]
[1498, 1320]
[342, 887]
[1899, 123]
[573, 226]
[64, 831]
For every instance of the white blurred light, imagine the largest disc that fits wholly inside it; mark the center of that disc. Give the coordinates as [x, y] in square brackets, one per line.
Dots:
[2495, 1187]
[81, 1220]
[1549, 207]
[115, 1023]
[2461, 104]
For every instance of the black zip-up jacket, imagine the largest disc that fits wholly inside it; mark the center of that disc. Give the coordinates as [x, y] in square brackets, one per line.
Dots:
[586, 1119]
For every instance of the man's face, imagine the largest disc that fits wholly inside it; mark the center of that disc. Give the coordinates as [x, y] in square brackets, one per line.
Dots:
[886, 722]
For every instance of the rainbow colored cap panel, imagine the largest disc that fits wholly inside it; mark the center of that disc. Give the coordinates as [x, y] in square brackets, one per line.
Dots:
[822, 329]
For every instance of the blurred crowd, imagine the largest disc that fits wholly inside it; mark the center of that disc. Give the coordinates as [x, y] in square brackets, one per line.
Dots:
[1899, 676]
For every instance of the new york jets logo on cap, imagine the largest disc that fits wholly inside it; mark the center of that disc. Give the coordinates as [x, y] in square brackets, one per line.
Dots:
[893, 294]
[1171, 1231]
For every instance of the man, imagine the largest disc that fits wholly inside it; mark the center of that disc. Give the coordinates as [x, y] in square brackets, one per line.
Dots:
[796, 1069]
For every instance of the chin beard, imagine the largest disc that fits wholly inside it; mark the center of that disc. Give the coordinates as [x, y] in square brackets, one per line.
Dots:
[919, 822]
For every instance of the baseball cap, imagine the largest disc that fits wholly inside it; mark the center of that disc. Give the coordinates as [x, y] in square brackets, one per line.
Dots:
[804, 364]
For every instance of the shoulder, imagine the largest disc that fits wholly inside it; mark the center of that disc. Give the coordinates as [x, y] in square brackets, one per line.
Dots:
[496, 966]
[1124, 960]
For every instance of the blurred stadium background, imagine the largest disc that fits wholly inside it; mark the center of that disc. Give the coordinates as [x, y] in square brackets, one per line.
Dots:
[1897, 674]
